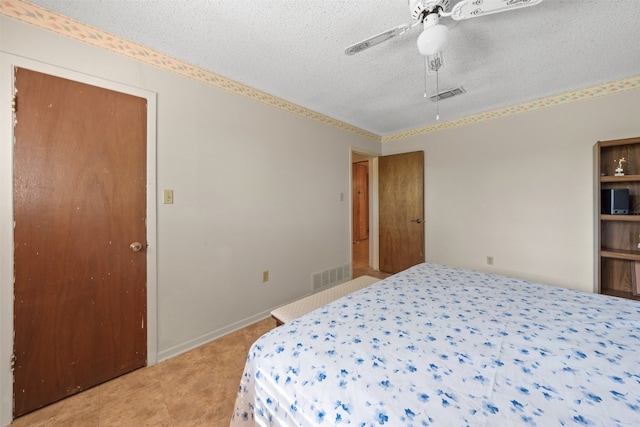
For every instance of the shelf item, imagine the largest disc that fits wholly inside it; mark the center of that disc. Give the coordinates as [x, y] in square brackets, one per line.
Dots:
[618, 236]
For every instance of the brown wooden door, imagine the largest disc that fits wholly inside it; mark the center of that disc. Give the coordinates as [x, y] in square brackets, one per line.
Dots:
[360, 190]
[401, 204]
[79, 202]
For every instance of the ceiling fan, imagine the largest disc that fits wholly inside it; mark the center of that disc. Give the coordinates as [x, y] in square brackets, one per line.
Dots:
[428, 12]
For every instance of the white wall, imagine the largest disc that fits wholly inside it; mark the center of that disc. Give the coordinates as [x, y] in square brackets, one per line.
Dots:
[520, 189]
[255, 188]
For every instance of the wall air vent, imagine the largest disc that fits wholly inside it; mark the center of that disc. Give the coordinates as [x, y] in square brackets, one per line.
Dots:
[447, 94]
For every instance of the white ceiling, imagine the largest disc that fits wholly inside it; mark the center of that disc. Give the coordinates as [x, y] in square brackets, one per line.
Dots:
[294, 49]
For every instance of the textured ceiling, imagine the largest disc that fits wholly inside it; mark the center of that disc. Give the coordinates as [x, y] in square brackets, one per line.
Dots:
[294, 50]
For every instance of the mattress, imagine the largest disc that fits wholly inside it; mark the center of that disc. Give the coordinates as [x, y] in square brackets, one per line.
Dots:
[442, 346]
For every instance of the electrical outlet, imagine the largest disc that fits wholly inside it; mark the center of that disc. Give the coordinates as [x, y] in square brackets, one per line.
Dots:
[265, 276]
[489, 260]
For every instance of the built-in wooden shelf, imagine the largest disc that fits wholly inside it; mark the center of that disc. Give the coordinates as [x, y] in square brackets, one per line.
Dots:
[620, 254]
[618, 236]
[623, 178]
[604, 217]
[620, 294]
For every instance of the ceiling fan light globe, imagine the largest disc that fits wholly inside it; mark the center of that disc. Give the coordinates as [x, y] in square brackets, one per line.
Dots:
[433, 39]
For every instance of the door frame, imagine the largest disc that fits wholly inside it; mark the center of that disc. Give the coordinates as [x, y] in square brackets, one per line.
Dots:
[7, 64]
[374, 249]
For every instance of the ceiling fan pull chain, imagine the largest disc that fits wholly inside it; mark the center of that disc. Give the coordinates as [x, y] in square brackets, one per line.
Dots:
[425, 75]
[426, 70]
[437, 94]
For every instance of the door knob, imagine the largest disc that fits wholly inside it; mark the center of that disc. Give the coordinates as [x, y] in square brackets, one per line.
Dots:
[136, 246]
[417, 221]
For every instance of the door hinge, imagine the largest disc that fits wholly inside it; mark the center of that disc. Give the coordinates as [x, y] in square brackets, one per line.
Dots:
[13, 361]
[14, 104]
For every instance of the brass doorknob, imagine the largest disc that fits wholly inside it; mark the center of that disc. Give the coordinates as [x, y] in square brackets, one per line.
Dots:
[136, 246]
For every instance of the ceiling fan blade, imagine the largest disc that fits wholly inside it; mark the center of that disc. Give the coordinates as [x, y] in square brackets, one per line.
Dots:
[377, 39]
[474, 8]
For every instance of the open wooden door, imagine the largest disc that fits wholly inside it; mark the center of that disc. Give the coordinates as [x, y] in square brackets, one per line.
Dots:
[80, 237]
[401, 205]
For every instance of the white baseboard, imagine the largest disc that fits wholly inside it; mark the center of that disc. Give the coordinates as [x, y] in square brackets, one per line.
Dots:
[210, 336]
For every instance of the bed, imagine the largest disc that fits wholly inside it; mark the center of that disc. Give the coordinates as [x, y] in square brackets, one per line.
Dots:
[442, 346]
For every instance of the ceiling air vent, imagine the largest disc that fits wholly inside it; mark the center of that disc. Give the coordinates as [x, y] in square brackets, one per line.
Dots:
[447, 94]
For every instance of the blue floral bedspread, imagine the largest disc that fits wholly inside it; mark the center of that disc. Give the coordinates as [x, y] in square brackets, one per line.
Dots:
[441, 346]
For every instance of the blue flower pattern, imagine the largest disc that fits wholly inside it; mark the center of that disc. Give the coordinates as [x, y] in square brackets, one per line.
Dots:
[441, 346]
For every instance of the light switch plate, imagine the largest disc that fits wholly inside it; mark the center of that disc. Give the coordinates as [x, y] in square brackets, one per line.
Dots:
[167, 197]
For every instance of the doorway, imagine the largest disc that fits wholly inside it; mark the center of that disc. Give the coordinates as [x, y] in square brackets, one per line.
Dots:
[8, 66]
[395, 189]
[363, 214]
[360, 215]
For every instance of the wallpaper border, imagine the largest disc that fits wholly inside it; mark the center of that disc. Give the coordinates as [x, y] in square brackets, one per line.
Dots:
[608, 88]
[45, 19]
